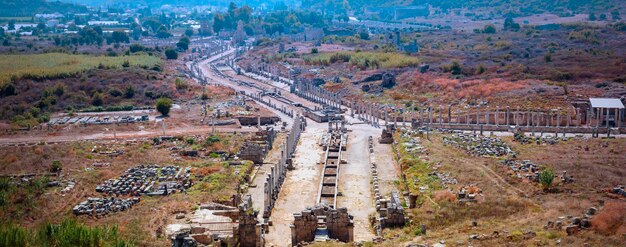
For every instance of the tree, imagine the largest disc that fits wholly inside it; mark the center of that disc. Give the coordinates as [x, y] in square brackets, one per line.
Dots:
[96, 99]
[171, 54]
[129, 92]
[219, 22]
[244, 14]
[152, 24]
[489, 29]
[547, 58]
[162, 33]
[364, 35]
[163, 105]
[603, 17]
[183, 44]
[455, 68]
[56, 166]
[189, 32]
[136, 48]
[615, 15]
[7, 89]
[11, 25]
[232, 8]
[546, 177]
[592, 17]
[509, 24]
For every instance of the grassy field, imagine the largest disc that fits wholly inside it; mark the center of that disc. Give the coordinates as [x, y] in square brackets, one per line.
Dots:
[6, 19]
[366, 60]
[59, 65]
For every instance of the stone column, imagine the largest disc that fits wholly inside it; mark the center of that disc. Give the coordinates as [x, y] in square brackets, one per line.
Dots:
[430, 115]
[486, 115]
[578, 117]
[440, 116]
[449, 114]
[477, 115]
[606, 117]
[403, 117]
[386, 117]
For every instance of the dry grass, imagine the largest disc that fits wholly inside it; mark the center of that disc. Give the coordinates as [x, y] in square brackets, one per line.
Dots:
[444, 195]
[60, 65]
[366, 60]
[611, 220]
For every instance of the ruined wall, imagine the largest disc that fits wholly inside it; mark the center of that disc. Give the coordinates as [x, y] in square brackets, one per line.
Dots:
[337, 222]
[250, 232]
[276, 176]
[303, 227]
[340, 225]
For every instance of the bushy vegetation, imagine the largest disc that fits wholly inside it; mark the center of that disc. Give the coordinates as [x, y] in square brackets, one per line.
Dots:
[365, 60]
[163, 105]
[546, 177]
[59, 65]
[67, 233]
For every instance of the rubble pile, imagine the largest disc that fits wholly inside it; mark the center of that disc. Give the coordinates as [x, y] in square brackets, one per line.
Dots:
[479, 145]
[86, 120]
[619, 190]
[414, 146]
[445, 178]
[521, 138]
[524, 169]
[151, 180]
[148, 180]
[572, 224]
[96, 206]
[468, 193]
[69, 187]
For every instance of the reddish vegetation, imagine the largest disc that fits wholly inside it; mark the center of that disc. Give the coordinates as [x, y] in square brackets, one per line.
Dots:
[611, 219]
[455, 88]
[443, 195]
[205, 171]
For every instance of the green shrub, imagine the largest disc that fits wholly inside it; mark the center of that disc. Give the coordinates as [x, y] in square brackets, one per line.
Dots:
[211, 139]
[55, 166]
[171, 54]
[97, 100]
[489, 29]
[546, 177]
[163, 105]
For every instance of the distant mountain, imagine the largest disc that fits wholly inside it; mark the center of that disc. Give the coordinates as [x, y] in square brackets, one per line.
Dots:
[32, 7]
[189, 3]
[496, 8]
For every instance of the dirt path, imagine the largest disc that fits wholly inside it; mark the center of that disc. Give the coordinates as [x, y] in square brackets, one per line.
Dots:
[191, 130]
[388, 169]
[354, 183]
[257, 188]
[300, 187]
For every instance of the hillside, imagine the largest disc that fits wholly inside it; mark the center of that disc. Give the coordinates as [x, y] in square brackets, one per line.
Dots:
[497, 8]
[11, 8]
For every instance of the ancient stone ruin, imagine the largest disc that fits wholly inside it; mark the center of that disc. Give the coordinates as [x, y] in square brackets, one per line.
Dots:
[220, 225]
[257, 148]
[321, 223]
[387, 136]
[150, 180]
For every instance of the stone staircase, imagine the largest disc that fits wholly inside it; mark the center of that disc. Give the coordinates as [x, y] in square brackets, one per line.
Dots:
[321, 233]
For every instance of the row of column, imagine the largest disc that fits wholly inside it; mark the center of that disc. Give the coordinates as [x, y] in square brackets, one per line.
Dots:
[316, 94]
[277, 173]
[372, 113]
